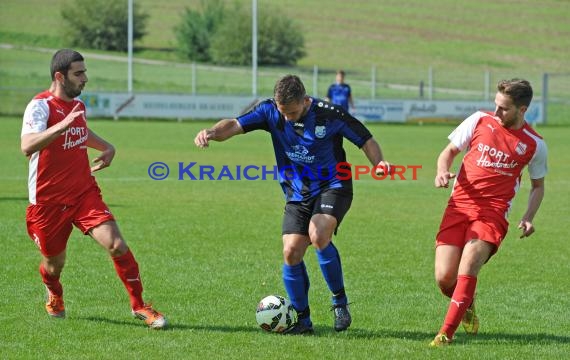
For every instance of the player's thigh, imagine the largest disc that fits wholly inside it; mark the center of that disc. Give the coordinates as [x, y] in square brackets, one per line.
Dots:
[475, 254]
[296, 217]
[335, 202]
[452, 228]
[447, 259]
[49, 226]
[321, 229]
[91, 211]
[490, 227]
[109, 237]
[93, 217]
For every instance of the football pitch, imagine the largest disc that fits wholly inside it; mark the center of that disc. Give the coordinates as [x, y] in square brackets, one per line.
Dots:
[209, 250]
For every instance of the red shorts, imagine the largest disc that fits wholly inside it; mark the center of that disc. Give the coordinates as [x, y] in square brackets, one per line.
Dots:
[49, 226]
[459, 226]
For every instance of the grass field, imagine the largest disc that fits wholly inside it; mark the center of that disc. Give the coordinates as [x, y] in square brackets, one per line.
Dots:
[209, 250]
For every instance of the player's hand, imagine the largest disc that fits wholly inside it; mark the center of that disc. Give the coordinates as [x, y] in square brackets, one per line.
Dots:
[70, 118]
[104, 160]
[526, 227]
[442, 179]
[203, 138]
[383, 168]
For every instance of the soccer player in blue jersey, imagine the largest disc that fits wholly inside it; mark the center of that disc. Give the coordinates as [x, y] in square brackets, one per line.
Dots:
[307, 136]
[340, 92]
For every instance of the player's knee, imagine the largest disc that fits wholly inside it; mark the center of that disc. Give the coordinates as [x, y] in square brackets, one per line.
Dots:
[292, 255]
[54, 268]
[319, 238]
[445, 280]
[320, 242]
[118, 248]
[53, 265]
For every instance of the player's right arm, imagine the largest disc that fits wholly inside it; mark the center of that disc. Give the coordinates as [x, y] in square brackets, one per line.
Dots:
[444, 162]
[32, 142]
[222, 130]
[459, 139]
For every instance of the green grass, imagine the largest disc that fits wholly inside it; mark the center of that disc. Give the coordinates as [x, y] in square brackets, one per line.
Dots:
[209, 250]
[387, 33]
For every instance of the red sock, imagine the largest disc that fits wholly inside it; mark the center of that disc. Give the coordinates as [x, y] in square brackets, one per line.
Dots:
[448, 291]
[52, 282]
[128, 270]
[460, 301]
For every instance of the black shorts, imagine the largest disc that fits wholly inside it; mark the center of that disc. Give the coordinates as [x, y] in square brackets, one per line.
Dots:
[297, 214]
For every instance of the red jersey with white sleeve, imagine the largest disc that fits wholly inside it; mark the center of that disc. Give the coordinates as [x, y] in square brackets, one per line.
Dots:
[495, 157]
[59, 173]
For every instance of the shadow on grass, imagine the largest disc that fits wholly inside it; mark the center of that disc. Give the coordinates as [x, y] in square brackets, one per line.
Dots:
[359, 333]
[174, 326]
[134, 322]
[13, 198]
[517, 339]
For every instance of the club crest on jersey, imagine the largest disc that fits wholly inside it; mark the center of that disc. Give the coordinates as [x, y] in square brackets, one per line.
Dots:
[320, 131]
[521, 148]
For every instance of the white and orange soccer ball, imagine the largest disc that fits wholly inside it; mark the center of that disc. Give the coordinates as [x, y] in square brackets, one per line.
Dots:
[275, 314]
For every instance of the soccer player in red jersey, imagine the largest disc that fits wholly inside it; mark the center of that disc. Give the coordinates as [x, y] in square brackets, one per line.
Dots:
[498, 146]
[62, 189]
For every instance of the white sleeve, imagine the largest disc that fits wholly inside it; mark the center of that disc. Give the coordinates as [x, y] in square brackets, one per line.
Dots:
[462, 134]
[35, 117]
[537, 167]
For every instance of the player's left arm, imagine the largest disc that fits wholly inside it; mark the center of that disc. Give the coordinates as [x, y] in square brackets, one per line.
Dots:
[374, 154]
[107, 151]
[534, 199]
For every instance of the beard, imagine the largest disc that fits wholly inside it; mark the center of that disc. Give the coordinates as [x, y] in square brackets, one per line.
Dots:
[511, 121]
[70, 90]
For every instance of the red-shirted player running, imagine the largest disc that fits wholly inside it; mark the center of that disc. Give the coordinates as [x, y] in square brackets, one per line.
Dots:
[498, 147]
[62, 190]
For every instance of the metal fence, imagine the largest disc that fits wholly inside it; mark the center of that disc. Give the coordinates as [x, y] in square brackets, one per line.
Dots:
[431, 83]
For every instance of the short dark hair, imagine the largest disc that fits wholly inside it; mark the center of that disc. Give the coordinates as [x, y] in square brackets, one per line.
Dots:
[340, 72]
[518, 90]
[289, 89]
[62, 59]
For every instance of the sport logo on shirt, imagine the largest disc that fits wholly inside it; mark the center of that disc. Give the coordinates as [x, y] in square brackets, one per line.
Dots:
[300, 153]
[74, 136]
[492, 157]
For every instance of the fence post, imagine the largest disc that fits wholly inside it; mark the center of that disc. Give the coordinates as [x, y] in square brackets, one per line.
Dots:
[430, 83]
[193, 78]
[544, 97]
[315, 81]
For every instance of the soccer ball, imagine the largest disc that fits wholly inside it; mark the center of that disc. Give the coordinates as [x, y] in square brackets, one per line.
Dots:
[275, 314]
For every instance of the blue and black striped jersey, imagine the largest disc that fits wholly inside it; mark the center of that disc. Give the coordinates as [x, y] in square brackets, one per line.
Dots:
[308, 151]
[339, 95]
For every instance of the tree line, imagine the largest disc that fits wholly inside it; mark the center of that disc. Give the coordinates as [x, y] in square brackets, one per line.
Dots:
[214, 33]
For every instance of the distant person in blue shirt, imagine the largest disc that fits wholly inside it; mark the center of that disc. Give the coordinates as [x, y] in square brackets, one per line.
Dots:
[307, 135]
[340, 93]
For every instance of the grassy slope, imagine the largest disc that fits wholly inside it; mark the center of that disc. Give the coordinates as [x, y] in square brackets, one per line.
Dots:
[388, 33]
